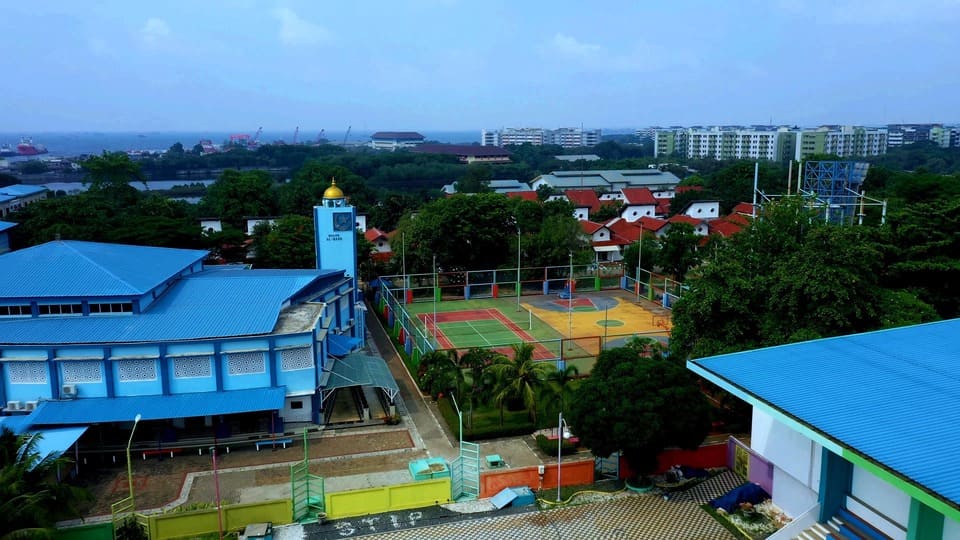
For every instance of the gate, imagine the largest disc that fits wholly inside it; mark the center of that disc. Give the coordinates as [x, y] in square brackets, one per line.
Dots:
[465, 473]
[608, 467]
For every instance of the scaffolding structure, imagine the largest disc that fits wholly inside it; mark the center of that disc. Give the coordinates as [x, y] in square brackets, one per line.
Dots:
[835, 188]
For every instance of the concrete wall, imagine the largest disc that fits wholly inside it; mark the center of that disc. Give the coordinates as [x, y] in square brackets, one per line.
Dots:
[882, 505]
[235, 517]
[951, 529]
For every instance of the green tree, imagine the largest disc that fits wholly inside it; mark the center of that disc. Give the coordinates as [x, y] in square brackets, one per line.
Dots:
[520, 378]
[476, 179]
[638, 405]
[677, 251]
[236, 195]
[176, 150]
[112, 170]
[288, 243]
[561, 388]
[32, 500]
[440, 372]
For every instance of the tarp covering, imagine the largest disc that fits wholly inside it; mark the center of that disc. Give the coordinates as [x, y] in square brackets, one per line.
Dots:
[747, 493]
[341, 345]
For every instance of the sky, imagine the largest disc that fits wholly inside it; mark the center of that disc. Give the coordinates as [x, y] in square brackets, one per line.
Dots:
[120, 65]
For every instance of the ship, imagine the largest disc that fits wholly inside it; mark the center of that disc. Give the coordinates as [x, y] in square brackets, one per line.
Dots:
[7, 151]
[27, 148]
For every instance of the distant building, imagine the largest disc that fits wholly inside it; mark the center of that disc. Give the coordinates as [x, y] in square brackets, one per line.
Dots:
[497, 186]
[15, 197]
[395, 140]
[901, 134]
[467, 153]
[608, 180]
[578, 157]
[769, 143]
[5, 227]
[571, 137]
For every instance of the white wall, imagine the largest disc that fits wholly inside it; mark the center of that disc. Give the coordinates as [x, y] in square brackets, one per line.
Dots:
[601, 235]
[951, 529]
[888, 502]
[634, 212]
[796, 459]
[581, 214]
[704, 210]
[302, 414]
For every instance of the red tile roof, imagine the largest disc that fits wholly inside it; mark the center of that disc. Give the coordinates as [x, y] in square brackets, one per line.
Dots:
[739, 219]
[681, 218]
[743, 208]
[381, 256]
[624, 230]
[525, 195]
[684, 189]
[373, 233]
[639, 196]
[590, 227]
[652, 224]
[582, 198]
[663, 207]
[724, 228]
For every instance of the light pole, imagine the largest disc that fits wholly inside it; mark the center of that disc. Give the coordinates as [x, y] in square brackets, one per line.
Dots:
[561, 422]
[518, 267]
[216, 484]
[639, 257]
[570, 301]
[136, 420]
[436, 291]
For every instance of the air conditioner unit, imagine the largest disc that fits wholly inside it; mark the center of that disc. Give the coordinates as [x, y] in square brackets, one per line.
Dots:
[14, 405]
[31, 405]
[68, 390]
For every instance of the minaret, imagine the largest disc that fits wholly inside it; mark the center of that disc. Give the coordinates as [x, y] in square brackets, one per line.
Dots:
[335, 229]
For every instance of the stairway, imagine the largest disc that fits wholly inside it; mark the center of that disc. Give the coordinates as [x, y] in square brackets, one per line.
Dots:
[843, 526]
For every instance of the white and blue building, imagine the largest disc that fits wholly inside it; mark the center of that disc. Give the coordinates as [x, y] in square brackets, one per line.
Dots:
[857, 432]
[94, 334]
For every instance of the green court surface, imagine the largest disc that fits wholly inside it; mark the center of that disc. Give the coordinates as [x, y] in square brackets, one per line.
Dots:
[531, 324]
[486, 333]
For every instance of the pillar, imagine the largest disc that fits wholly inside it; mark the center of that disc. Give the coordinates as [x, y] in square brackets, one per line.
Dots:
[546, 287]
[924, 522]
[408, 345]
[596, 283]
[466, 292]
[836, 480]
[495, 290]
[409, 295]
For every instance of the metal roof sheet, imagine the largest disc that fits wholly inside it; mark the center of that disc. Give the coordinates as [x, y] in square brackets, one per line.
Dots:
[72, 268]
[193, 308]
[891, 395]
[21, 190]
[362, 370]
[4, 225]
[124, 409]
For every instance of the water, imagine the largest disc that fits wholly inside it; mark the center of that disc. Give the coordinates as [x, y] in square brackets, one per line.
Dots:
[159, 185]
[69, 144]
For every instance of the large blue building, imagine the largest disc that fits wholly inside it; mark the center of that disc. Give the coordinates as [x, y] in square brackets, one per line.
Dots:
[95, 333]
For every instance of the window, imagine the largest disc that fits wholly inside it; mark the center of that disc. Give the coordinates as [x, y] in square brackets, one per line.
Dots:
[81, 372]
[296, 404]
[294, 359]
[15, 311]
[61, 309]
[120, 307]
[246, 363]
[137, 370]
[188, 367]
[27, 372]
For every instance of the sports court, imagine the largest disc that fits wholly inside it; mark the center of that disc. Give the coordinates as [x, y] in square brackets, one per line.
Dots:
[569, 328]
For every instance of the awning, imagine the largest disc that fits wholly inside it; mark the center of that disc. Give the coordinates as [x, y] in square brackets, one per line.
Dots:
[361, 370]
[341, 345]
[603, 249]
[125, 409]
[58, 440]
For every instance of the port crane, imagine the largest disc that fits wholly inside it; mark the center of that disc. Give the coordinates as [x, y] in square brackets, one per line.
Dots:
[296, 132]
[347, 134]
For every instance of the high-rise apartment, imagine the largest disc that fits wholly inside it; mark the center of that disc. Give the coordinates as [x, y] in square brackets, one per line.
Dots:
[572, 137]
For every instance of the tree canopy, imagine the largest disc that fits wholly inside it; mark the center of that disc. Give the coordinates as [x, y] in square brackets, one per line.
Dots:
[637, 402]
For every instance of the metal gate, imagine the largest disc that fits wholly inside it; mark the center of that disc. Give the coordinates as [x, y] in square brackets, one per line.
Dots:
[608, 467]
[465, 473]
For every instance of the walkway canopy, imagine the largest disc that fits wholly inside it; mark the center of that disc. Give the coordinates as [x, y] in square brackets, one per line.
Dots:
[360, 370]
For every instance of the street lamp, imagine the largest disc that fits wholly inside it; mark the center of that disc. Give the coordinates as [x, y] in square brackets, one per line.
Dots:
[136, 420]
[560, 425]
[639, 258]
[570, 301]
[216, 483]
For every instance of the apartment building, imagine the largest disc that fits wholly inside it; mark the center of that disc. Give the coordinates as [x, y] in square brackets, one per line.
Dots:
[570, 137]
[769, 143]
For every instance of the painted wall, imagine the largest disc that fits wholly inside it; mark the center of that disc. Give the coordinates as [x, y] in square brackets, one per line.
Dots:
[361, 502]
[191, 380]
[140, 387]
[26, 391]
[572, 473]
[81, 374]
[301, 414]
[892, 505]
[707, 456]
[235, 517]
[951, 529]
[635, 212]
[796, 459]
[704, 210]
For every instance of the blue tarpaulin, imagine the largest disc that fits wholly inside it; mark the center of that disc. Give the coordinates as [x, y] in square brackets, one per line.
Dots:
[747, 493]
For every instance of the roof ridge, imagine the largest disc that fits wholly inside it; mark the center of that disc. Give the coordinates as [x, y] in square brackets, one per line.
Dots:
[69, 244]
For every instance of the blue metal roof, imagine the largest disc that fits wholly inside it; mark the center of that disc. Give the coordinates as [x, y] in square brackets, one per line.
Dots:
[71, 268]
[125, 409]
[21, 190]
[341, 345]
[52, 441]
[892, 395]
[4, 225]
[194, 308]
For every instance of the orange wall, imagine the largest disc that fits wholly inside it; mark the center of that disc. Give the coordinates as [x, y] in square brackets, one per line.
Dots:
[573, 473]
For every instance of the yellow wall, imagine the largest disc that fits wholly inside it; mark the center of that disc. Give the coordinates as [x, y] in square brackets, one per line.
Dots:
[385, 499]
[235, 517]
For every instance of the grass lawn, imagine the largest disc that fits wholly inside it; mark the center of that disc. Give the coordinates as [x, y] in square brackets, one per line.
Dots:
[486, 421]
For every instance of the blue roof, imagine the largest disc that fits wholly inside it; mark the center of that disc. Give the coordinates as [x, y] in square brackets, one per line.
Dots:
[52, 441]
[341, 345]
[21, 190]
[194, 308]
[72, 268]
[4, 225]
[125, 409]
[892, 395]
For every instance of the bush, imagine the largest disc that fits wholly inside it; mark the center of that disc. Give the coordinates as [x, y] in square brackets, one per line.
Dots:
[486, 422]
[549, 446]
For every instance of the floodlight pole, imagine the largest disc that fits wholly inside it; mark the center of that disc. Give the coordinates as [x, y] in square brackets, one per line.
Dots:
[136, 420]
[403, 263]
[518, 267]
[570, 300]
[639, 258]
[560, 423]
[436, 291]
[216, 483]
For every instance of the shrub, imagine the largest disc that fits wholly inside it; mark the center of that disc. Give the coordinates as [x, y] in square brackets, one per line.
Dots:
[549, 446]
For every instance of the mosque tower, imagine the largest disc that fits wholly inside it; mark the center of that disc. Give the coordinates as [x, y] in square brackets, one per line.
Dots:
[335, 230]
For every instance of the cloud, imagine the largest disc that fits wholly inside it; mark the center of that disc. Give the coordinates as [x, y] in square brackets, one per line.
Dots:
[155, 31]
[570, 46]
[297, 31]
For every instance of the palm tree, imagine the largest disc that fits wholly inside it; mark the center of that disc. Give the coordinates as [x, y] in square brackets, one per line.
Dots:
[520, 378]
[559, 384]
[32, 499]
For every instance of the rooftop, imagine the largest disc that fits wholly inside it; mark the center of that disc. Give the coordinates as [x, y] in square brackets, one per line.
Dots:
[890, 396]
[470, 150]
[70, 268]
[21, 190]
[4, 225]
[400, 135]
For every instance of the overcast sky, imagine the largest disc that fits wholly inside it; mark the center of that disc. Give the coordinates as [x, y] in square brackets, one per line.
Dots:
[460, 65]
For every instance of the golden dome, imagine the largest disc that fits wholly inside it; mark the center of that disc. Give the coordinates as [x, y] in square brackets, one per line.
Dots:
[333, 192]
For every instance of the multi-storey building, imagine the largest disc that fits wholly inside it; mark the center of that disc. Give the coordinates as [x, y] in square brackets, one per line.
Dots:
[573, 137]
[843, 141]
[395, 140]
[901, 134]
[668, 142]
[768, 143]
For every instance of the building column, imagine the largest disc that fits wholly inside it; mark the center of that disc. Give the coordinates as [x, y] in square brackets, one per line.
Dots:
[108, 377]
[218, 366]
[924, 522]
[836, 480]
[273, 358]
[165, 372]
